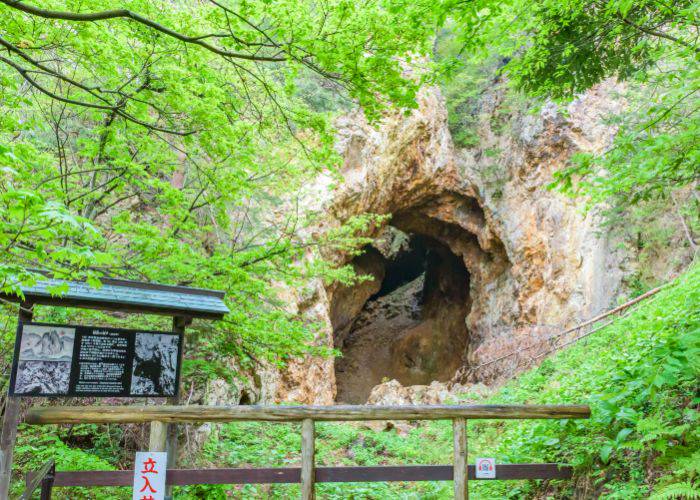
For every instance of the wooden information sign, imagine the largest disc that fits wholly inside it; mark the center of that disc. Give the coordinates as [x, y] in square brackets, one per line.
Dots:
[103, 361]
[66, 360]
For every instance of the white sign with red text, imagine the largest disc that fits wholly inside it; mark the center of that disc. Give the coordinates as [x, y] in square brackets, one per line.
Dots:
[486, 468]
[149, 475]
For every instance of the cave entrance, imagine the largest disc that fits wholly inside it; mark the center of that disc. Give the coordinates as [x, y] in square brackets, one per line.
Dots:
[408, 323]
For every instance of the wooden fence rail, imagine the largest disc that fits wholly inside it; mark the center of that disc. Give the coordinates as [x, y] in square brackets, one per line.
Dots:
[291, 475]
[339, 413]
[44, 477]
[308, 474]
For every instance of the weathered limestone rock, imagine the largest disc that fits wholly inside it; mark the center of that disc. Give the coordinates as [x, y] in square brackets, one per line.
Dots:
[563, 267]
[310, 380]
[534, 263]
[393, 393]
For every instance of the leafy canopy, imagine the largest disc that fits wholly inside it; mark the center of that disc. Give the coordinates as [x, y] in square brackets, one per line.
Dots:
[557, 49]
[170, 142]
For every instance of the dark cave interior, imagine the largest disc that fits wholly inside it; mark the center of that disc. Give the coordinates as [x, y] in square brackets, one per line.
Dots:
[408, 323]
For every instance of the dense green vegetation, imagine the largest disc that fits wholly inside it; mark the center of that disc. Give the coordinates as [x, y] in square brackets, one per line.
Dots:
[164, 146]
[557, 49]
[174, 142]
[640, 376]
[169, 152]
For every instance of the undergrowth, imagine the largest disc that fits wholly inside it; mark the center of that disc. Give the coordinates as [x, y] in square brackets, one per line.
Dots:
[639, 375]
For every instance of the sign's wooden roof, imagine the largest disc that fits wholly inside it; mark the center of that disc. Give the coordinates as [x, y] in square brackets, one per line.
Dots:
[129, 296]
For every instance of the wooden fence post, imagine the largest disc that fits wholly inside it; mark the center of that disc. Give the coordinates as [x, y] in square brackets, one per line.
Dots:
[459, 431]
[158, 437]
[10, 420]
[47, 483]
[179, 325]
[308, 471]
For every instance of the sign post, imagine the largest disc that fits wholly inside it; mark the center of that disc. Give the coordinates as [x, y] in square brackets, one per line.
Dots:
[10, 421]
[179, 325]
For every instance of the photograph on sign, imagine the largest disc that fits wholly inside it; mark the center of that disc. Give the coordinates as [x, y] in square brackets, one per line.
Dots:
[44, 360]
[67, 360]
[149, 475]
[485, 468]
[155, 364]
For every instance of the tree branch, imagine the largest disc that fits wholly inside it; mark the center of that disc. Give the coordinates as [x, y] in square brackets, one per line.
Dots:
[660, 34]
[118, 109]
[25, 74]
[125, 13]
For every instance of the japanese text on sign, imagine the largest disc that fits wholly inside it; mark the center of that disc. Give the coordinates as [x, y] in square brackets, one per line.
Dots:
[149, 475]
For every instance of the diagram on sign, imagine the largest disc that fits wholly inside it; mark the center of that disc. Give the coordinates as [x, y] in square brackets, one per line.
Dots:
[60, 360]
[44, 363]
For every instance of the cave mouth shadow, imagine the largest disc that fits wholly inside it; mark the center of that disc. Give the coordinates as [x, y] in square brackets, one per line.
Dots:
[408, 324]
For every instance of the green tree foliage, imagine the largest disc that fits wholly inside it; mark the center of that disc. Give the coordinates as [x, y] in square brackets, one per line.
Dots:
[558, 49]
[170, 141]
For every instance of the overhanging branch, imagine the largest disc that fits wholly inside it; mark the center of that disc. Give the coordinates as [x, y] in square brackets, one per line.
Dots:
[127, 14]
[118, 109]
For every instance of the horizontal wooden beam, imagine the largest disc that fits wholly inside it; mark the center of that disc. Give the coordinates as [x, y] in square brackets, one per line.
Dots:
[126, 296]
[115, 306]
[182, 414]
[181, 477]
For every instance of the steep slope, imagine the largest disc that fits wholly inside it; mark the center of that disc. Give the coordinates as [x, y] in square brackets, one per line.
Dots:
[640, 375]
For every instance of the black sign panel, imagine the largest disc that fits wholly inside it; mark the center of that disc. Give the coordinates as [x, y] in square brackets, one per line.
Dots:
[65, 360]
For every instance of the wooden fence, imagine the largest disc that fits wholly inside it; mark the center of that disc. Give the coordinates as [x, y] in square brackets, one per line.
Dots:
[308, 474]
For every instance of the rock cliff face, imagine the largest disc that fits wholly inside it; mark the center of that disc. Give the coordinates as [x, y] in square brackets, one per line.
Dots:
[477, 258]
